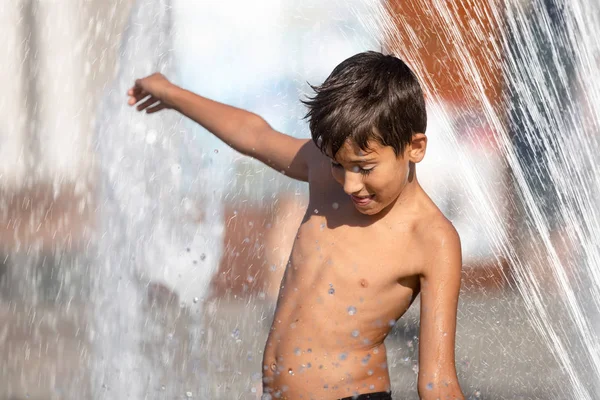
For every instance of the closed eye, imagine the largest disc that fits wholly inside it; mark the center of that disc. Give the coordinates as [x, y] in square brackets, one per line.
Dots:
[363, 171]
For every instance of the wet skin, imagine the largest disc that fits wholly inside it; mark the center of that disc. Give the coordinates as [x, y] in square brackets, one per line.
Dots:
[371, 240]
[353, 271]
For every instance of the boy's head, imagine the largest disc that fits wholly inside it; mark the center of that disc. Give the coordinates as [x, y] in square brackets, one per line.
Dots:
[371, 107]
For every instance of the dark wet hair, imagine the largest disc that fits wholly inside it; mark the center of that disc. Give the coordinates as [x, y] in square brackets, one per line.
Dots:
[366, 91]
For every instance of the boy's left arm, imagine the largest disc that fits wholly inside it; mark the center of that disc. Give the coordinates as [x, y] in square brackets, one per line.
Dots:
[440, 286]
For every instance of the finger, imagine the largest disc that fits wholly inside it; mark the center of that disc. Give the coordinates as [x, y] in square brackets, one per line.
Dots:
[147, 103]
[156, 108]
[133, 99]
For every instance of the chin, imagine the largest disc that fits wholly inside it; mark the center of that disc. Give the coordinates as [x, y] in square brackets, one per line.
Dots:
[370, 211]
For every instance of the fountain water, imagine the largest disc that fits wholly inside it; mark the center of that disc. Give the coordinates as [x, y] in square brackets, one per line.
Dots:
[156, 249]
[150, 210]
[546, 130]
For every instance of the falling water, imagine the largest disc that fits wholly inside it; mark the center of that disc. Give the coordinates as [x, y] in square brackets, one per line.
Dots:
[546, 129]
[157, 249]
[158, 233]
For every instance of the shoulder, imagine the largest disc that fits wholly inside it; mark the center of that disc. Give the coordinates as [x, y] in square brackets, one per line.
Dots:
[318, 163]
[440, 243]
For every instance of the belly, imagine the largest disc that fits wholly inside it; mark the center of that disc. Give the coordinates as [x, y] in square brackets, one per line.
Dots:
[326, 341]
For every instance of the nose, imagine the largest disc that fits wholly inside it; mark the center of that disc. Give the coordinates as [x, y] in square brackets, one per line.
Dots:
[352, 182]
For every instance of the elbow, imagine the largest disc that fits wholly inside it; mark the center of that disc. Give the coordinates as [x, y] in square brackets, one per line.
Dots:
[253, 129]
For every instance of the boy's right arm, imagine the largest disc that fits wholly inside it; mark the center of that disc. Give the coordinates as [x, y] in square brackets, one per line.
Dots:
[244, 131]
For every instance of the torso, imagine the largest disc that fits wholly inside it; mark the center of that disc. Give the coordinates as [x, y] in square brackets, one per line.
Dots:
[349, 278]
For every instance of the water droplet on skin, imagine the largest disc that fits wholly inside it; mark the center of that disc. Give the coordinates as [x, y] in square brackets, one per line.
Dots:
[343, 356]
[290, 371]
[273, 367]
[355, 333]
[309, 350]
[331, 291]
[430, 386]
[351, 310]
[391, 322]
[366, 359]
[297, 351]
[371, 387]
[335, 206]
[308, 365]
[322, 227]
[316, 211]
[369, 372]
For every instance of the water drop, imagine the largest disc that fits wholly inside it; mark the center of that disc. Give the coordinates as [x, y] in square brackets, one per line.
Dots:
[335, 206]
[316, 211]
[290, 371]
[355, 333]
[188, 394]
[331, 290]
[216, 151]
[343, 356]
[430, 386]
[351, 310]
[196, 300]
[297, 351]
[202, 256]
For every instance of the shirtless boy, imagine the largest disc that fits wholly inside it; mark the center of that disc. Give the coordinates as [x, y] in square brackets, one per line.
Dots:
[371, 239]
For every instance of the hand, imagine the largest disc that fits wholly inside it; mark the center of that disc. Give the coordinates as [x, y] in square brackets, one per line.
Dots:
[153, 90]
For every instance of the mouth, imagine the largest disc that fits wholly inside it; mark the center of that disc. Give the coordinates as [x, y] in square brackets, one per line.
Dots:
[362, 200]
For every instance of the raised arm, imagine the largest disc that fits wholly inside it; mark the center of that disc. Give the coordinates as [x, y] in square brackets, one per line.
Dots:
[440, 286]
[242, 130]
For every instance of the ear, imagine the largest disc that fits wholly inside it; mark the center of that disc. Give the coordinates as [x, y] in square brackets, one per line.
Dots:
[417, 147]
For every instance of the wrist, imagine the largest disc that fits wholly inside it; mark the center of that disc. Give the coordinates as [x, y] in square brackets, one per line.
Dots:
[170, 95]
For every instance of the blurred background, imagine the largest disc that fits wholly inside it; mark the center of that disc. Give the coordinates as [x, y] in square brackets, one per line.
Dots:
[140, 257]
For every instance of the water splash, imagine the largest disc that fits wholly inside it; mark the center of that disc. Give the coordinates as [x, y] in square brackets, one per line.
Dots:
[158, 241]
[543, 53]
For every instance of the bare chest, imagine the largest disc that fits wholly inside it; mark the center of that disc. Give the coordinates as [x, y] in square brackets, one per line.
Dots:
[331, 256]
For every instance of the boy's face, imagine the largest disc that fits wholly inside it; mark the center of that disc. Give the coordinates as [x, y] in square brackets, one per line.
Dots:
[373, 179]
